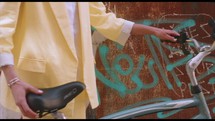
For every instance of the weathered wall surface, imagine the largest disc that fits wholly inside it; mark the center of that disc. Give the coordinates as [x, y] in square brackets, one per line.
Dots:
[146, 71]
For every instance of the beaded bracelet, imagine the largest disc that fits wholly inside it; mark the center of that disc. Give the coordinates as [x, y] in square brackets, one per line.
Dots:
[13, 81]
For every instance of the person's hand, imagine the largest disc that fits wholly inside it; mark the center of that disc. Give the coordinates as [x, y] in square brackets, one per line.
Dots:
[19, 91]
[162, 34]
[166, 34]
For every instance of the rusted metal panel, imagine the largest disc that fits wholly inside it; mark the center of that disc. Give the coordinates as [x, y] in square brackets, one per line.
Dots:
[145, 71]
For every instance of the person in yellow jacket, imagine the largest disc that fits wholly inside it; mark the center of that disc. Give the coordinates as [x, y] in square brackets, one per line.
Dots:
[46, 44]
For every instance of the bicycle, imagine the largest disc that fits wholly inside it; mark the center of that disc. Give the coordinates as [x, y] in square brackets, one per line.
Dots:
[57, 98]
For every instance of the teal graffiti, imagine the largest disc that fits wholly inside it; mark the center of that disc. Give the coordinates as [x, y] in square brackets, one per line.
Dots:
[153, 73]
[211, 81]
[185, 24]
[135, 77]
[118, 66]
[210, 71]
[166, 60]
[158, 64]
[181, 24]
[114, 69]
[143, 85]
[115, 83]
[180, 62]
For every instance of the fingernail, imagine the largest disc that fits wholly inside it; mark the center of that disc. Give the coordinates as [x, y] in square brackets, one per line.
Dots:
[40, 91]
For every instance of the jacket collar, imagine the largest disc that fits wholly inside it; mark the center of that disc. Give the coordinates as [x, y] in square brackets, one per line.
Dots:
[60, 13]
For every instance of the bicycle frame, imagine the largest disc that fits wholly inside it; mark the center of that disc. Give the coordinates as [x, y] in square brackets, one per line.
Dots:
[155, 108]
[162, 106]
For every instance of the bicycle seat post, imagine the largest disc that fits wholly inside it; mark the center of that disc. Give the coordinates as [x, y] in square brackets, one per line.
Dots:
[58, 115]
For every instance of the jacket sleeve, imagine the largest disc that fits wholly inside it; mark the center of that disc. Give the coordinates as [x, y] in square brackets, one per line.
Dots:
[8, 18]
[111, 27]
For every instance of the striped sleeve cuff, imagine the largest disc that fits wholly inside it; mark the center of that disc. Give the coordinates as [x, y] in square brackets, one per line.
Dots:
[6, 59]
[126, 29]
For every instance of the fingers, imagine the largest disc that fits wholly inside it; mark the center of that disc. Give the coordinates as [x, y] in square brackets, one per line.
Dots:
[34, 90]
[171, 38]
[19, 92]
[172, 33]
[26, 111]
[20, 98]
[25, 107]
[175, 33]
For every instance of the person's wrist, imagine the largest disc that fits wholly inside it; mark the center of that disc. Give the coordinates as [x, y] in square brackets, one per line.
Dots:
[9, 72]
[156, 31]
[13, 81]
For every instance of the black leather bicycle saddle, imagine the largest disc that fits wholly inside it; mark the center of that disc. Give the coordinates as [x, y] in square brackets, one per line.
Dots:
[54, 98]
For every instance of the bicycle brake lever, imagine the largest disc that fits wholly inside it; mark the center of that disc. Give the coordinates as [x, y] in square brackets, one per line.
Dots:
[179, 39]
[182, 40]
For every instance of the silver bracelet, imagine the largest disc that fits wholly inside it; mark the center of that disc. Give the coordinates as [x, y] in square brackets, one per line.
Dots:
[13, 81]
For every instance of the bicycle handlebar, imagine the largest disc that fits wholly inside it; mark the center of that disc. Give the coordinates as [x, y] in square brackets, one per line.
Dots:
[183, 40]
[203, 51]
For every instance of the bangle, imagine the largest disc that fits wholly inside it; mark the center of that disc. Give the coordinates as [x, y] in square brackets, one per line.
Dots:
[13, 81]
